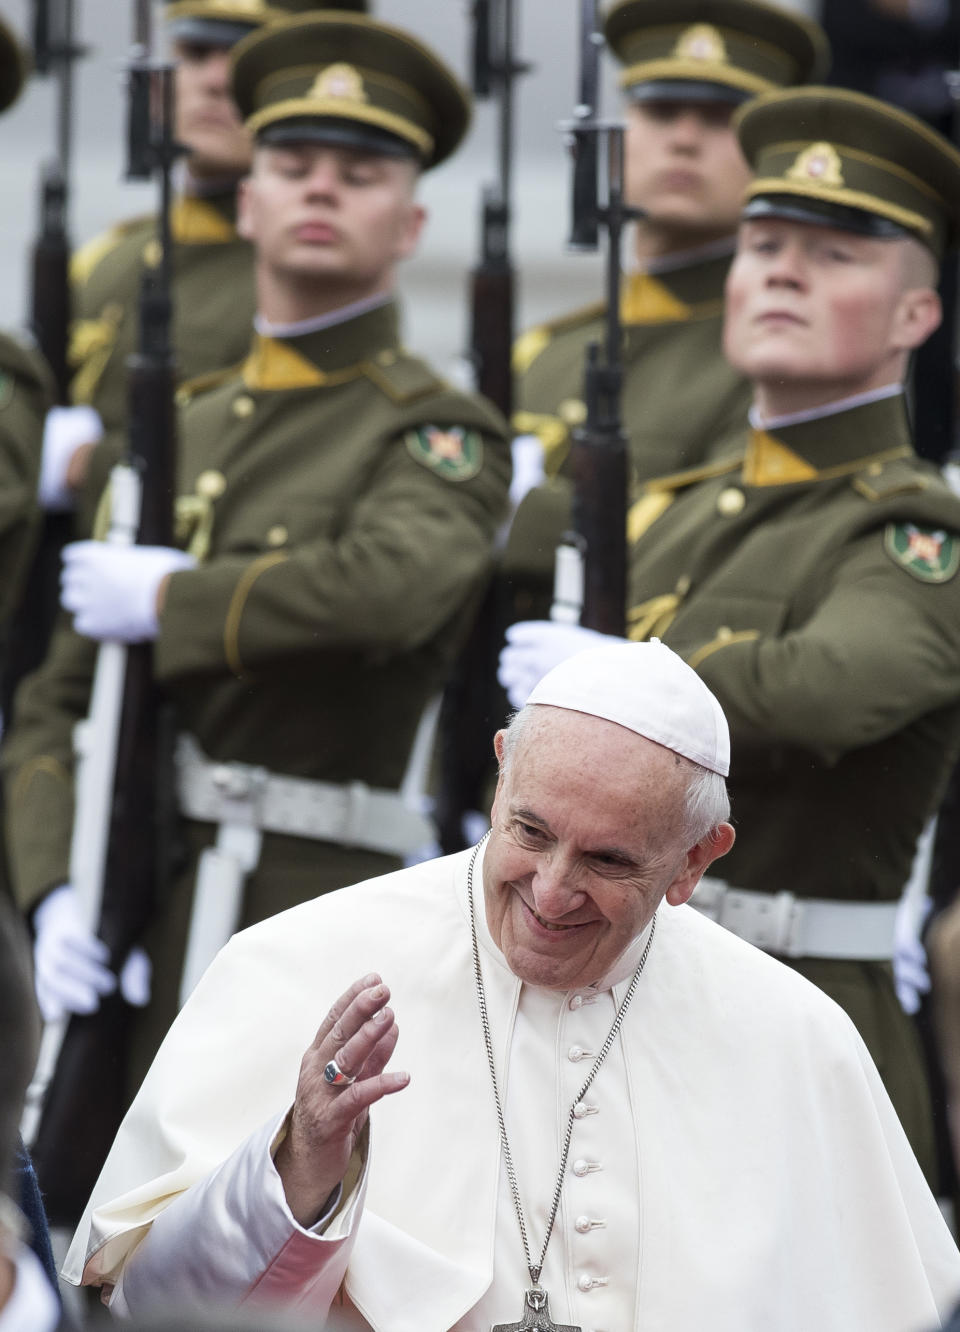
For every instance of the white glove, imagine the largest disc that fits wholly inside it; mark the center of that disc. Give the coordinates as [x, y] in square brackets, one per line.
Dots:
[70, 963]
[535, 647]
[64, 430]
[528, 467]
[911, 978]
[111, 590]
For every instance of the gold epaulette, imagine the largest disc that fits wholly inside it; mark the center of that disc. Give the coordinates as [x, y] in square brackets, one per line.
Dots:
[528, 346]
[192, 388]
[85, 260]
[691, 475]
[402, 377]
[881, 480]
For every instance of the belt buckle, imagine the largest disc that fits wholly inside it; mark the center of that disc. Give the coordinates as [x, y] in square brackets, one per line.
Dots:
[241, 787]
[769, 921]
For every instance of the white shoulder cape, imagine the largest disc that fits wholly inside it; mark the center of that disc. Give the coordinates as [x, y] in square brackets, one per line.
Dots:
[777, 1189]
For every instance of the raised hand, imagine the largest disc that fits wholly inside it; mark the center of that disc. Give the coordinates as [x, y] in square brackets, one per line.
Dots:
[359, 1034]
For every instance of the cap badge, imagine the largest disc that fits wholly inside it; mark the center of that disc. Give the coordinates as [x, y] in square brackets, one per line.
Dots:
[819, 163]
[701, 42]
[339, 81]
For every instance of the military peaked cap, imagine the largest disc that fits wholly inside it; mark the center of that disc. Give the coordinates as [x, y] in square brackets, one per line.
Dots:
[13, 67]
[712, 50]
[841, 159]
[347, 79]
[225, 22]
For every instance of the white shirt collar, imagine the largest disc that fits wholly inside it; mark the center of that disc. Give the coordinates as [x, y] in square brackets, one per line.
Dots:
[669, 263]
[302, 326]
[829, 409]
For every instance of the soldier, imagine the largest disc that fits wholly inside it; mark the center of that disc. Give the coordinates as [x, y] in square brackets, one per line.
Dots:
[687, 65]
[26, 394]
[212, 294]
[338, 508]
[814, 585]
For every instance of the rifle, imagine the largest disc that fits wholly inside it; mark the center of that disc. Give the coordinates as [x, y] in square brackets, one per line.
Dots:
[55, 50]
[470, 700]
[120, 841]
[591, 572]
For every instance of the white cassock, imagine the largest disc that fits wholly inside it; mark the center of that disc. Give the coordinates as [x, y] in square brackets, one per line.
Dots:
[738, 1165]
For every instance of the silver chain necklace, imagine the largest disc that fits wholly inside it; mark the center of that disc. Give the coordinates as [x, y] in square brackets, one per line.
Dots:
[536, 1315]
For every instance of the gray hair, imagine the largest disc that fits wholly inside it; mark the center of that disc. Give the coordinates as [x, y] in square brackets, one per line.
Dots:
[707, 803]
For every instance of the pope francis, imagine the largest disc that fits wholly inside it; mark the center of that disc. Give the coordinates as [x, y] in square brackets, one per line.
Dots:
[615, 1115]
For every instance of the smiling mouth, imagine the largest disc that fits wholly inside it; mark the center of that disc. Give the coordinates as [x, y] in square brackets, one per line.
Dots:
[550, 925]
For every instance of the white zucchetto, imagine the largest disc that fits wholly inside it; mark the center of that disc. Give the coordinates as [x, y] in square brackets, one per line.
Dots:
[648, 689]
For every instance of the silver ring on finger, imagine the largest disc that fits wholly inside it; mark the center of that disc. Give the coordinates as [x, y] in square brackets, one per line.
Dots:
[335, 1075]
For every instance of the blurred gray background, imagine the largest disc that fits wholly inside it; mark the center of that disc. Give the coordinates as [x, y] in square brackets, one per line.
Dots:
[434, 284]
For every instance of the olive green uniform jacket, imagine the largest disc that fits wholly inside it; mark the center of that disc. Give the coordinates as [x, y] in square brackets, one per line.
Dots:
[213, 303]
[682, 403]
[344, 503]
[27, 393]
[814, 588]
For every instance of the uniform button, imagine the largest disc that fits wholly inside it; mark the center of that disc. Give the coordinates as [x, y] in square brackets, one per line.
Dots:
[387, 357]
[244, 406]
[581, 1110]
[730, 502]
[277, 536]
[576, 1002]
[875, 469]
[577, 1052]
[211, 484]
[585, 1282]
[572, 411]
[581, 1168]
[724, 633]
[582, 1224]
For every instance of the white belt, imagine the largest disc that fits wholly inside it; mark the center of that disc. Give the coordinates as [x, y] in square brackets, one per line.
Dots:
[353, 814]
[792, 926]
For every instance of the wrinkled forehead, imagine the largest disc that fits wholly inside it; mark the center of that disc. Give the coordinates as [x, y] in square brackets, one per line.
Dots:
[564, 741]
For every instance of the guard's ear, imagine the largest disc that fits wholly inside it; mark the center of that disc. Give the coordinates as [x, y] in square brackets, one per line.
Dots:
[244, 225]
[700, 856]
[919, 313]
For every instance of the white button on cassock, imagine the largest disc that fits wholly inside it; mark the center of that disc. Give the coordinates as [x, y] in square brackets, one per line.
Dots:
[582, 1109]
[582, 1167]
[577, 1052]
[590, 1283]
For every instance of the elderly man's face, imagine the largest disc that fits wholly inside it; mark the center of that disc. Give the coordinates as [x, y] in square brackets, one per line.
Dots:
[587, 839]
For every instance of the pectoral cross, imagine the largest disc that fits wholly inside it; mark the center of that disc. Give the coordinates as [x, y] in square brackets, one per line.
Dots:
[536, 1316]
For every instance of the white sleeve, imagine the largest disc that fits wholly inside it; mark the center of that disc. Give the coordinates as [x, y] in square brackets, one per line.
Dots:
[231, 1240]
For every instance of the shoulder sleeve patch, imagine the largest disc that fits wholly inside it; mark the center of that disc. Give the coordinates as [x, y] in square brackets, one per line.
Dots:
[454, 453]
[930, 555]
